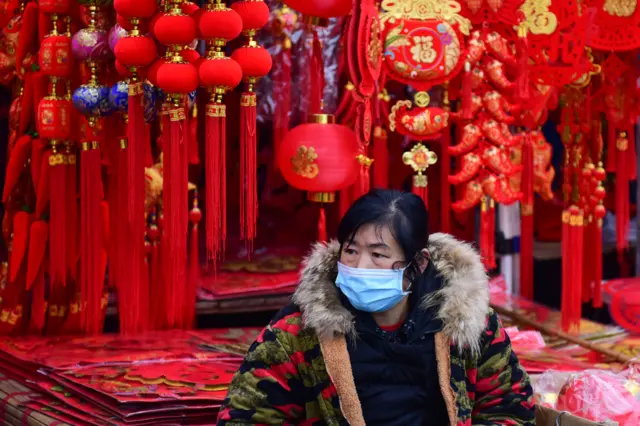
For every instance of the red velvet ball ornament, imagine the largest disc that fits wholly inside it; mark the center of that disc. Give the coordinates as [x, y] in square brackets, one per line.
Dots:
[171, 29]
[54, 118]
[55, 56]
[220, 72]
[143, 26]
[254, 14]
[321, 8]
[223, 24]
[123, 71]
[135, 8]
[255, 61]
[190, 8]
[177, 78]
[190, 55]
[60, 7]
[319, 157]
[153, 70]
[136, 51]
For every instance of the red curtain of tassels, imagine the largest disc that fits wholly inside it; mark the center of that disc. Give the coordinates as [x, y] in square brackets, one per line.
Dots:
[216, 179]
[572, 263]
[248, 168]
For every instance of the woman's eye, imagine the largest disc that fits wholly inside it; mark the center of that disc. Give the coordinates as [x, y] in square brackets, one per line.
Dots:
[349, 251]
[379, 256]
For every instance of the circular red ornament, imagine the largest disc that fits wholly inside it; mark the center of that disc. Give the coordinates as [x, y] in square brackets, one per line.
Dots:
[255, 61]
[321, 8]
[171, 29]
[55, 57]
[254, 14]
[54, 118]
[220, 72]
[195, 215]
[223, 24]
[600, 211]
[190, 8]
[135, 8]
[61, 7]
[319, 157]
[136, 51]
[153, 70]
[176, 78]
[123, 71]
[190, 55]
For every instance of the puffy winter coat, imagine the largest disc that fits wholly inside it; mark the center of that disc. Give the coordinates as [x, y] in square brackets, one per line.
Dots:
[298, 372]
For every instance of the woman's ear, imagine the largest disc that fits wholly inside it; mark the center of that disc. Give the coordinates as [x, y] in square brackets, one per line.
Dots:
[423, 260]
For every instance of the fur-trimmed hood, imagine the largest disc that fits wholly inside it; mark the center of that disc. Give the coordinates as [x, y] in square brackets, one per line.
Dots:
[463, 299]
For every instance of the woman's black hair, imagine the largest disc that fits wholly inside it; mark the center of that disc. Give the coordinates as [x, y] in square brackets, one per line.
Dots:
[403, 213]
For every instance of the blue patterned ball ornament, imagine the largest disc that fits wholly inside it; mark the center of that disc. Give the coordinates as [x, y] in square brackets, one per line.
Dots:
[92, 100]
[150, 102]
[119, 96]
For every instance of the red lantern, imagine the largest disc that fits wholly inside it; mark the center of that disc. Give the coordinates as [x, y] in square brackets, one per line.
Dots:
[320, 157]
[323, 9]
[54, 118]
[254, 14]
[135, 8]
[124, 22]
[223, 24]
[224, 73]
[123, 71]
[136, 51]
[153, 70]
[55, 56]
[175, 77]
[255, 61]
[174, 28]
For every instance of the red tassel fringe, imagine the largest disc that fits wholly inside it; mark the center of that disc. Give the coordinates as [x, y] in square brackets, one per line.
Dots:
[322, 225]
[215, 185]
[58, 220]
[572, 263]
[248, 169]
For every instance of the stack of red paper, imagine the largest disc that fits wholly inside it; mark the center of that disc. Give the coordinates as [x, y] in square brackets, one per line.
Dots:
[162, 378]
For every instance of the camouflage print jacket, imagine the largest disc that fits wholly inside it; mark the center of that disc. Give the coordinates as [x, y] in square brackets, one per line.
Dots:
[298, 372]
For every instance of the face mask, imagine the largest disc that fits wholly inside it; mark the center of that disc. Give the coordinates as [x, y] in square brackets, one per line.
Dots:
[371, 290]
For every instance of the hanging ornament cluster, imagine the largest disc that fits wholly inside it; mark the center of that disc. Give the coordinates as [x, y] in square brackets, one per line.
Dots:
[485, 165]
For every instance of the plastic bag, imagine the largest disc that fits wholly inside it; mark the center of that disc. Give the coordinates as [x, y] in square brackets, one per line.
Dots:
[547, 387]
[599, 396]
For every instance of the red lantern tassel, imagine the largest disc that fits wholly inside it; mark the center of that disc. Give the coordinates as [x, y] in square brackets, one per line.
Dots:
[15, 167]
[189, 311]
[192, 125]
[248, 169]
[215, 185]
[572, 263]
[596, 249]
[487, 232]
[419, 188]
[282, 81]
[58, 218]
[589, 258]
[577, 264]
[175, 193]
[466, 92]
[38, 302]
[38, 236]
[566, 275]
[71, 210]
[445, 190]
[526, 220]
[18, 244]
[91, 238]
[622, 197]
[380, 158]
[322, 225]
[316, 65]
[523, 65]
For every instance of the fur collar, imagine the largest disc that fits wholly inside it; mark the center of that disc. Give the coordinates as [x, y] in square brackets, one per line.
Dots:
[463, 299]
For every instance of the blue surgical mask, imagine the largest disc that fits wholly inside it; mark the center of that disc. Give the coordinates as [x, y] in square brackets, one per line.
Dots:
[371, 290]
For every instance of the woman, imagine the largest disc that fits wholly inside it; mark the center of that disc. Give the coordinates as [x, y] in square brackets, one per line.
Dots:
[388, 326]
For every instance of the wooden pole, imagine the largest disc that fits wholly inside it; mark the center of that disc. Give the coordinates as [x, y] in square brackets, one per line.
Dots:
[521, 319]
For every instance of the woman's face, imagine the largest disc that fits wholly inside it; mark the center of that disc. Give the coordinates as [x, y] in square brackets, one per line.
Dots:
[373, 247]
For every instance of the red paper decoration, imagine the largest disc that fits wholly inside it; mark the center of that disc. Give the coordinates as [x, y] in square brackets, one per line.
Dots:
[54, 119]
[320, 157]
[55, 56]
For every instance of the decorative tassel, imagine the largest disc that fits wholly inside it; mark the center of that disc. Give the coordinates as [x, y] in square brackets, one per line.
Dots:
[466, 92]
[322, 225]
[487, 233]
[38, 237]
[19, 243]
[380, 158]
[192, 125]
[194, 266]
[43, 190]
[175, 201]
[71, 209]
[15, 167]
[622, 195]
[248, 169]
[316, 65]
[155, 273]
[572, 263]
[523, 63]
[91, 234]
[216, 180]
[419, 188]
[526, 224]
[58, 217]
[445, 170]
[596, 249]
[282, 81]
[38, 302]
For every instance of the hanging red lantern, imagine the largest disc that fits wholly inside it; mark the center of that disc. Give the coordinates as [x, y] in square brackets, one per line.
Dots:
[323, 9]
[60, 7]
[136, 51]
[254, 14]
[255, 62]
[55, 56]
[320, 157]
[177, 77]
[54, 118]
[174, 28]
[141, 9]
[219, 23]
